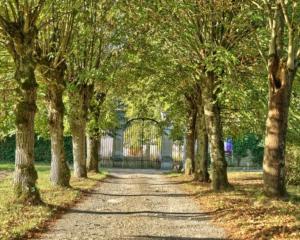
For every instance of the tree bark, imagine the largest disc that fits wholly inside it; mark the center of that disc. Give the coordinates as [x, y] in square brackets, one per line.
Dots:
[25, 175]
[201, 161]
[190, 140]
[79, 150]
[20, 34]
[93, 145]
[214, 131]
[79, 101]
[60, 172]
[275, 140]
[281, 74]
[94, 132]
[280, 88]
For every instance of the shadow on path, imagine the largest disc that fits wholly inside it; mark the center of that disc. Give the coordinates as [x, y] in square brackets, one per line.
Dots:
[203, 216]
[146, 195]
[146, 237]
[143, 183]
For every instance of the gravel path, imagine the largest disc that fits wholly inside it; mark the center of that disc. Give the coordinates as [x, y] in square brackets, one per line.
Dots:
[135, 204]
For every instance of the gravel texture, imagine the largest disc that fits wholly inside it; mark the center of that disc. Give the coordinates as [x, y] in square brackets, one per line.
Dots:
[135, 204]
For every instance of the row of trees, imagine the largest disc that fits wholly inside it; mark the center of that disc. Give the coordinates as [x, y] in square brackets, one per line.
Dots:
[223, 29]
[215, 55]
[202, 62]
[57, 46]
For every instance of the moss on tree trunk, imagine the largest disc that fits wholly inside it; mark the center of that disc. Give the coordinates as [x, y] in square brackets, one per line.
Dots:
[79, 151]
[201, 160]
[60, 172]
[190, 141]
[25, 175]
[93, 145]
[215, 133]
[79, 102]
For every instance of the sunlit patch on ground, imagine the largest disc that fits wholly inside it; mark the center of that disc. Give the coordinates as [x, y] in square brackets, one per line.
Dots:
[245, 213]
[16, 220]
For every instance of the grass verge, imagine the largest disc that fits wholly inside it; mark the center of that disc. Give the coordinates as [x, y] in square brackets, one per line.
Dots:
[6, 166]
[17, 220]
[244, 212]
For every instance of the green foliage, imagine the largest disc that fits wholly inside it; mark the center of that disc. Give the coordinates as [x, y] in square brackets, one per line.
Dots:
[293, 164]
[102, 114]
[250, 142]
[42, 149]
[150, 54]
[7, 94]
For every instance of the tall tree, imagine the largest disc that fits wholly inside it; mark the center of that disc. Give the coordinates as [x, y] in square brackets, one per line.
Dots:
[54, 44]
[94, 132]
[92, 64]
[201, 158]
[204, 35]
[18, 28]
[191, 99]
[283, 63]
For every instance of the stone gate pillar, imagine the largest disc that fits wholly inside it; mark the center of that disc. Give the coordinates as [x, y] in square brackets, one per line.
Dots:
[184, 152]
[118, 145]
[166, 150]
[117, 151]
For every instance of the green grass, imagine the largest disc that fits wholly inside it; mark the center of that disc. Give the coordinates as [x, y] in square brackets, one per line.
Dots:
[6, 166]
[16, 220]
[173, 174]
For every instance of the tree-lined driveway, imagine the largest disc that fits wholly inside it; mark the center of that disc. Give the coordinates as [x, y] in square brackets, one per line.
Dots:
[135, 204]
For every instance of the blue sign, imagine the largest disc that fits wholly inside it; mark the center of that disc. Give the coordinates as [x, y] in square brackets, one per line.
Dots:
[228, 145]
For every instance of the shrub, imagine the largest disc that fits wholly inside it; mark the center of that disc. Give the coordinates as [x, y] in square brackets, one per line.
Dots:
[293, 165]
[250, 142]
[42, 149]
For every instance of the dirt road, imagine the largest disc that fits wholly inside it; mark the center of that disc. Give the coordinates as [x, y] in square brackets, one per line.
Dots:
[135, 204]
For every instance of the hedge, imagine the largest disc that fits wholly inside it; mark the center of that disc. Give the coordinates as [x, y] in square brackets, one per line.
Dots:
[42, 149]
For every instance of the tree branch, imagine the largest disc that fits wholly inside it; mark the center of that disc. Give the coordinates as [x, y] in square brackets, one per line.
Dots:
[285, 14]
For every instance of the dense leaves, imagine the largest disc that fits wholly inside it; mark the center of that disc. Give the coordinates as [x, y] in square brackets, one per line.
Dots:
[148, 56]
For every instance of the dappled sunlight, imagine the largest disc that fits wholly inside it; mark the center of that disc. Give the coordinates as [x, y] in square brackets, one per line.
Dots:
[245, 212]
[169, 119]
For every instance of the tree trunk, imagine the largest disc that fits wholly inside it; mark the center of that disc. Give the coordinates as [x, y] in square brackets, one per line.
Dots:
[214, 131]
[60, 172]
[93, 145]
[282, 71]
[201, 161]
[276, 128]
[79, 101]
[79, 150]
[190, 141]
[25, 175]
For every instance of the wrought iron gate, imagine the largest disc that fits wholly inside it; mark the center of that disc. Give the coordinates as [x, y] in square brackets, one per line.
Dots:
[142, 144]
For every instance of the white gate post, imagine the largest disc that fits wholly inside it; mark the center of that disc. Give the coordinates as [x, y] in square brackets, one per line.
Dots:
[117, 152]
[184, 152]
[118, 145]
[166, 150]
